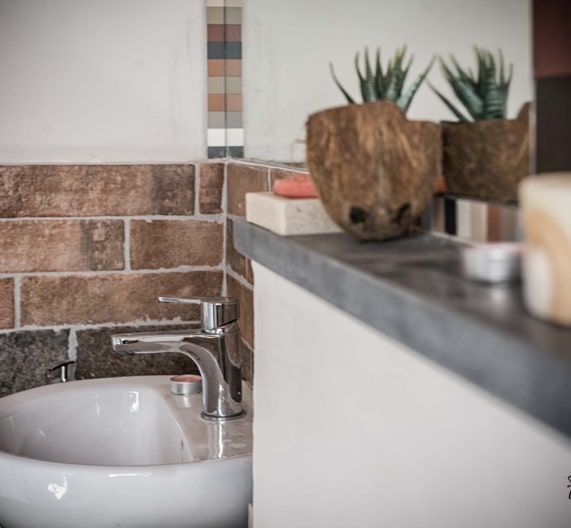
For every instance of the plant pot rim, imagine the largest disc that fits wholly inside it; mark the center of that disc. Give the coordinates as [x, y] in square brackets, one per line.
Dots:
[494, 119]
[380, 102]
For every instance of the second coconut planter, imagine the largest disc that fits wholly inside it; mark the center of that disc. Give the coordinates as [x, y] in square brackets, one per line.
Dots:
[487, 159]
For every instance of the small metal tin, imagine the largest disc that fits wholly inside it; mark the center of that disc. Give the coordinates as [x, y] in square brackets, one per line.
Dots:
[186, 384]
[492, 263]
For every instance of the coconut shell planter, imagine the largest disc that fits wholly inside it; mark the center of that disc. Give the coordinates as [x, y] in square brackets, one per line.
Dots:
[486, 155]
[487, 159]
[374, 170]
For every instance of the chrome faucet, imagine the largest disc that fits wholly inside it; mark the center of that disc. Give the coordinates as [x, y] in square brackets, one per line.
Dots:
[215, 348]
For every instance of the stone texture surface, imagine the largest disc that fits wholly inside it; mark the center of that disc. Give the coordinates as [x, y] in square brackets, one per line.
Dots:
[25, 356]
[96, 190]
[242, 179]
[286, 216]
[234, 259]
[114, 298]
[375, 170]
[211, 186]
[246, 297]
[96, 358]
[6, 303]
[171, 243]
[61, 245]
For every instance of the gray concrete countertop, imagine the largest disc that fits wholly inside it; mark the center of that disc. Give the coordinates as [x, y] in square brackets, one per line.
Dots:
[412, 290]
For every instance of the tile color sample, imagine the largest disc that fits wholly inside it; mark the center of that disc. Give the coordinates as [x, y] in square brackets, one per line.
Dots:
[224, 56]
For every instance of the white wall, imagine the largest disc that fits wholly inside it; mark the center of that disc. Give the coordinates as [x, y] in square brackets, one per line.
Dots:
[288, 46]
[102, 80]
[354, 429]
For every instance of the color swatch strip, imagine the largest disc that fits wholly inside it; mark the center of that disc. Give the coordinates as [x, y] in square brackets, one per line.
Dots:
[225, 135]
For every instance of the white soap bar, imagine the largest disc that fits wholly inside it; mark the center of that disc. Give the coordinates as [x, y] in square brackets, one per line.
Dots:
[288, 216]
[545, 203]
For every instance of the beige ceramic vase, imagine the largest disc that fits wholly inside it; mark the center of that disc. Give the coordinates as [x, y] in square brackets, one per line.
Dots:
[374, 170]
[545, 202]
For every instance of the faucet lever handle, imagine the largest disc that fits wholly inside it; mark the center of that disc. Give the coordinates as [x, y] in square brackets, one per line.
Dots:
[214, 311]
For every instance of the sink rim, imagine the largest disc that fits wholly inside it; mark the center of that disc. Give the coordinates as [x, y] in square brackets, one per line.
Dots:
[187, 418]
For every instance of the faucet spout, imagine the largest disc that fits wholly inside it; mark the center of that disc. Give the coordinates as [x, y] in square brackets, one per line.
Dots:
[148, 342]
[216, 354]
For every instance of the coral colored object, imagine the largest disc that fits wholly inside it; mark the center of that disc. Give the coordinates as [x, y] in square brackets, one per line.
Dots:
[441, 185]
[298, 185]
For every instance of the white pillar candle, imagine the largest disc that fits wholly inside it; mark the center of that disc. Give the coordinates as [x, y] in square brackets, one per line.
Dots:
[545, 203]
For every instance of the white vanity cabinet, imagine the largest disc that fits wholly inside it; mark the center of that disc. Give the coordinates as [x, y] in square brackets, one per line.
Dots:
[353, 429]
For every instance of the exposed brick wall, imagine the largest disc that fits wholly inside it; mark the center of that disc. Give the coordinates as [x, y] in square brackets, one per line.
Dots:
[96, 190]
[85, 250]
[6, 303]
[159, 244]
[242, 178]
[61, 245]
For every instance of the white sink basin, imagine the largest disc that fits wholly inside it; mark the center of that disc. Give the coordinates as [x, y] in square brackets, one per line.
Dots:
[121, 452]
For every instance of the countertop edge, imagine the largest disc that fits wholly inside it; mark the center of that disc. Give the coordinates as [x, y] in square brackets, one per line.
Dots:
[505, 365]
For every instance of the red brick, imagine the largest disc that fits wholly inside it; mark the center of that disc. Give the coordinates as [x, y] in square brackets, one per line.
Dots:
[242, 179]
[6, 303]
[234, 259]
[246, 297]
[96, 190]
[61, 245]
[112, 298]
[172, 243]
[211, 185]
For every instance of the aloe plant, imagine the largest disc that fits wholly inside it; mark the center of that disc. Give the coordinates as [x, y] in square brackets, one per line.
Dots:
[485, 95]
[385, 84]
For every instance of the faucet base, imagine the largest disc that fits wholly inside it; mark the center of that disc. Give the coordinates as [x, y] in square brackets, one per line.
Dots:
[210, 418]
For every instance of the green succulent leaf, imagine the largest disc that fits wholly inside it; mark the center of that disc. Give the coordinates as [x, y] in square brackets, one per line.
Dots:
[388, 83]
[463, 75]
[405, 99]
[350, 100]
[379, 74]
[459, 115]
[484, 94]
[391, 91]
[464, 91]
[367, 81]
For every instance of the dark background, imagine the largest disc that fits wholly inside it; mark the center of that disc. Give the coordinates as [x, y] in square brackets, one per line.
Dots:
[552, 73]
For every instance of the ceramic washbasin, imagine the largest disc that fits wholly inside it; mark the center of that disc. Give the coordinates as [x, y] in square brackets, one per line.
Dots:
[121, 452]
